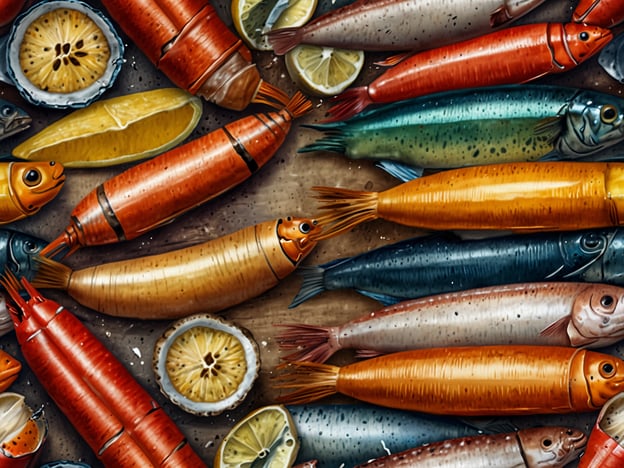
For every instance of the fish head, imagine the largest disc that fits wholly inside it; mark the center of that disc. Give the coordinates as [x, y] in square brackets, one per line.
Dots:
[9, 370]
[593, 121]
[551, 446]
[597, 317]
[580, 251]
[18, 251]
[23, 431]
[604, 377]
[33, 184]
[582, 41]
[12, 119]
[295, 236]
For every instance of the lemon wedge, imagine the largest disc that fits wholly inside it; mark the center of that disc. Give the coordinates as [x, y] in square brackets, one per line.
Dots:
[254, 18]
[323, 71]
[116, 130]
[205, 364]
[266, 437]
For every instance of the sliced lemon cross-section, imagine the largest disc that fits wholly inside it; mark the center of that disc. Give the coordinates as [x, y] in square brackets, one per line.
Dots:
[254, 18]
[323, 71]
[266, 437]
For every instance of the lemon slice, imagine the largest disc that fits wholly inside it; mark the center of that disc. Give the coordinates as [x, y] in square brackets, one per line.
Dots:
[116, 130]
[206, 365]
[264, 438]
[250, 18]
[63, 54]
[323, 71]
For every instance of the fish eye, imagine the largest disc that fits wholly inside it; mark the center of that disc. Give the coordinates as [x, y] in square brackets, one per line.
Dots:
[607, 369]
[6, 111]
[29, 246]
[608, 114]
[606, 301]
[32, 177]
[584, 36]
[305, 228]
[547, 442]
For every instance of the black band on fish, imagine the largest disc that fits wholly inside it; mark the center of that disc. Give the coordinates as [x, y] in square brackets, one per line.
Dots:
[109, 213]
[240, 149]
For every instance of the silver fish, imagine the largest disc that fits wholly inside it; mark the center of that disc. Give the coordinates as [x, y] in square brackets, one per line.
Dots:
[611, 58]
[12, 119]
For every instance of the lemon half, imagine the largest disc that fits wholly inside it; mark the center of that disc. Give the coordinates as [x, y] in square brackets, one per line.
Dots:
[205, 364]
[323, 71]
[250, 17]
[264, 438]
[116, 130]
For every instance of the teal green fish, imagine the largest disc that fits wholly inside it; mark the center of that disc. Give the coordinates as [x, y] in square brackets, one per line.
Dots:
[481, 126]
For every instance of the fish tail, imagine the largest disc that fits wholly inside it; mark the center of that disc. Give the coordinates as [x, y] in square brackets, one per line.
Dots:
[270, 95]
[309, 381]
[312, 343]
[350, 102]
[313, 284]
[284, 40]
[51, 274]
[298, 105]
[333, 139]
[345, 210]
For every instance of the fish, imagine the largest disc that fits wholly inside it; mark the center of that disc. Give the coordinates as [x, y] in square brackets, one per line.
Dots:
[605, 13]
[444, 262]
[545, 447]
[25, 187]
[465, 381]
[347, 434]
[498, 124]
[547, 313]
[12, 119]
[611, 58]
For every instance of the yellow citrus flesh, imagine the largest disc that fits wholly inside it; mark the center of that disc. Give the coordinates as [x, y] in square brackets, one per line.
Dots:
[323, 71]
[116, 130]
[265, 438]
[63, 51]
[249, 18]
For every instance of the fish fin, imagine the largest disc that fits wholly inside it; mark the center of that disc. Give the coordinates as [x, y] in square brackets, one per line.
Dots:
[384, 299]
[313, 284]
[349, 103]
[491, 425]
[309, 381]
[401, 171]
[313, 343]
[333, 139]
[298, 105]
[51, 274]
[393, 59]
[272, 96]
[557, 327]
[550, 127]
[284, 40]
[367, 353]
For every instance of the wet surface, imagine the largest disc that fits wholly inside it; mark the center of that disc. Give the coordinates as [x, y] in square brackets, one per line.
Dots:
[280, 189]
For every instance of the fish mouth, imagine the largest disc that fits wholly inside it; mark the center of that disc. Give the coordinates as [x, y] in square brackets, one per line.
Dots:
[16, 125]
[58, 177]
[578, 443]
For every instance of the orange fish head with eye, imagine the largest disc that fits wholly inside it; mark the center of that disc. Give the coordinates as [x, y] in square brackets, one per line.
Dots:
[9, 370]
[604, 377]
[22, 433]
[295, 236]
[583, 41]
[33, 184]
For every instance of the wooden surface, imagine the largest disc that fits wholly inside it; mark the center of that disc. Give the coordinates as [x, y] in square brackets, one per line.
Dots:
[281, 188]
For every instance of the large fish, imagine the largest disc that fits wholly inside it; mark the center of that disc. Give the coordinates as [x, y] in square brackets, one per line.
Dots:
[480, 126]
[440, 263]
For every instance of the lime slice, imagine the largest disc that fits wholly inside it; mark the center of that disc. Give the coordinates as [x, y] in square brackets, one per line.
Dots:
[206, 365]
[116, 130]
[323, 71]
[250, 18]
[264, 438]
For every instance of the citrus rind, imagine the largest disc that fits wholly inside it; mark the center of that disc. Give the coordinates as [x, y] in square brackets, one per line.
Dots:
[266, 438]
[205, 364]
[64, 53]
[116, 130]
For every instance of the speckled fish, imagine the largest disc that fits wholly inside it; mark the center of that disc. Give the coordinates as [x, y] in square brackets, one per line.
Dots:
[27, 186]
[480, 126]
[346, 434]
[12, 119]
[375, 25]
[441, 263]
[550, 314]
[539, 447]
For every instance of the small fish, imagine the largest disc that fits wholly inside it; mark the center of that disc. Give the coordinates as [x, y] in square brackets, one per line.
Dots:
[12, 119]
[543, 447]
[27, 186]
[551, 314]
[9, 370]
